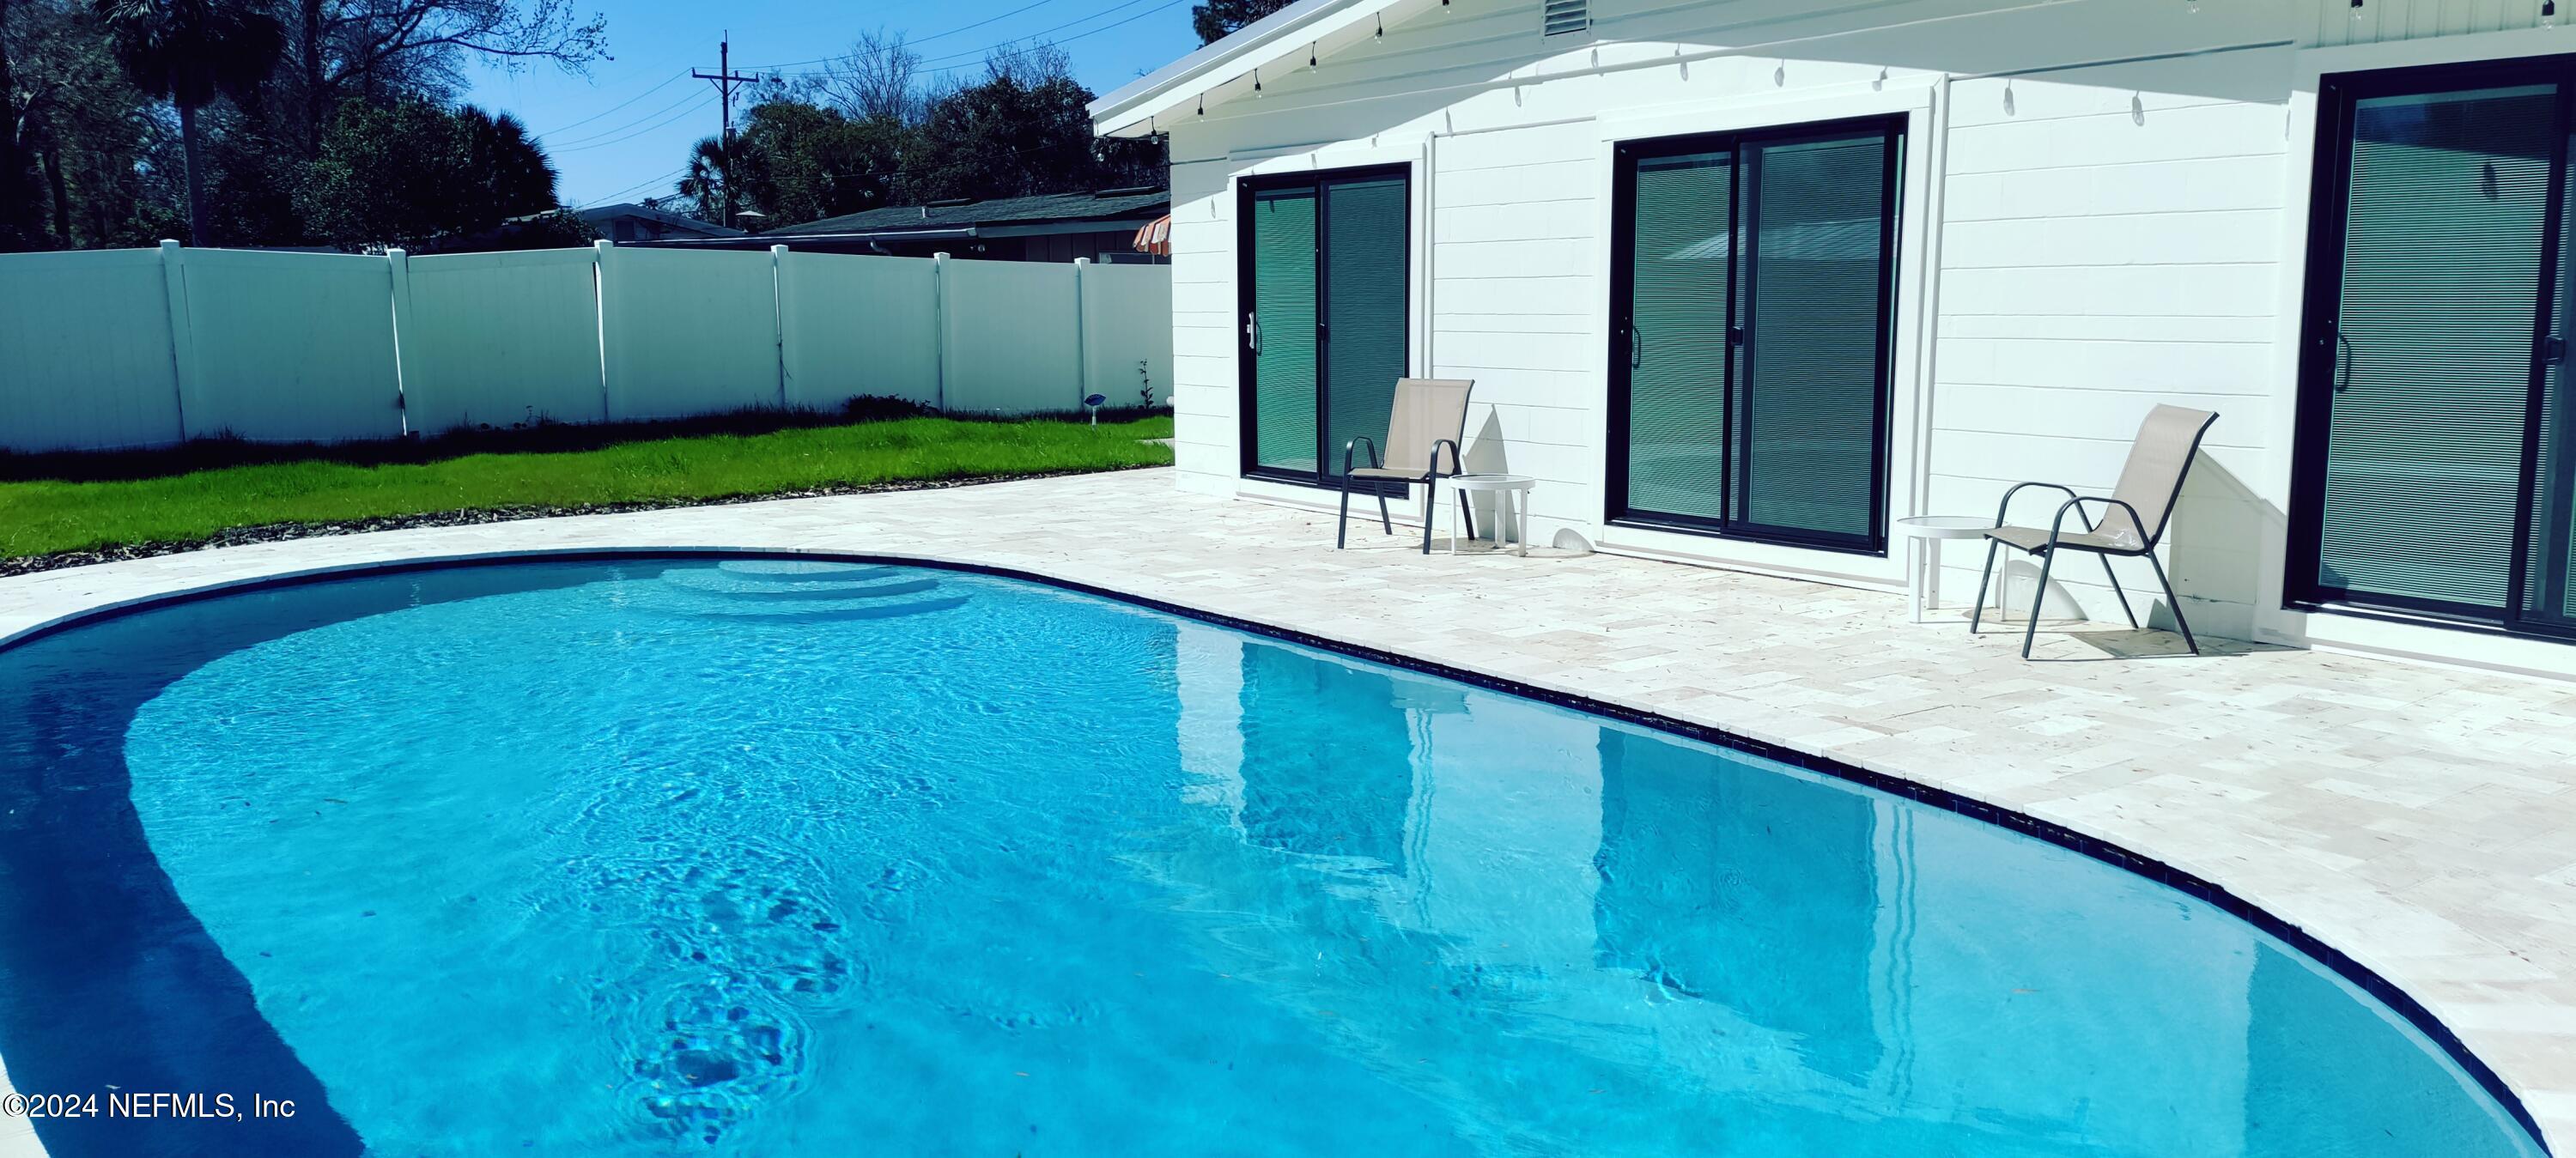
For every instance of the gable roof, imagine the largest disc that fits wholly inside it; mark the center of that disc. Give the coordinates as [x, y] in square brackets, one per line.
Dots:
[596, 214]
[1108, 205]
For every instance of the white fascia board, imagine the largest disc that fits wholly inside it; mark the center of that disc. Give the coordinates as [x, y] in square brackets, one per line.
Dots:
[1127, 111]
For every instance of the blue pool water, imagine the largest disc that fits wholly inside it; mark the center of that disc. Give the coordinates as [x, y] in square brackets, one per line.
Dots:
[757, 857]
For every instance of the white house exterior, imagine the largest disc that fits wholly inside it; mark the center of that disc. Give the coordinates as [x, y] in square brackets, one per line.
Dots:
[1989, 236]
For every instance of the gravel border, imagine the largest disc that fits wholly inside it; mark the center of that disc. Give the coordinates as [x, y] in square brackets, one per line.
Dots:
[277, 532]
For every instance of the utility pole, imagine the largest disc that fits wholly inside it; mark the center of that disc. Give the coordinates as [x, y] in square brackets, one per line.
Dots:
[725, 79]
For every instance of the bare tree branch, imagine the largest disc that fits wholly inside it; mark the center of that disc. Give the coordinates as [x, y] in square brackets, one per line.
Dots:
[878, 78]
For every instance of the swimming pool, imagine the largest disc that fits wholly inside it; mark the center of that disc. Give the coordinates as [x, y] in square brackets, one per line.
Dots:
[756, 856]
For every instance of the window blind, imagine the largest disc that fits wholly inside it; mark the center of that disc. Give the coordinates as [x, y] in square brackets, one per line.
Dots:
[2444, 222]
[1365, 310]
[1807, 445]
[1284, 378]
[1677, 350]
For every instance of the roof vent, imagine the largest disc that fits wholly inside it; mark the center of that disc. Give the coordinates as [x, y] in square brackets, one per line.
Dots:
[1558, 17]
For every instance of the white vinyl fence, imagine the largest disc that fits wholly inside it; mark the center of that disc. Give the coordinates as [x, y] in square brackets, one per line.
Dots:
[136, 348]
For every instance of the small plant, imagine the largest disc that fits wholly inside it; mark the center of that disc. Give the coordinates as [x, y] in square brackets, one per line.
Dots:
[1145, 389]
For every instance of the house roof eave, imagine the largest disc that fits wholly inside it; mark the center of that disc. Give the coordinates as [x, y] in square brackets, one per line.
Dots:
[1127, 111]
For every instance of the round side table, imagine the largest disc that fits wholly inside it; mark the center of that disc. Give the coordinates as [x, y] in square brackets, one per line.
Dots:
[1511, 507]
[1924, 536]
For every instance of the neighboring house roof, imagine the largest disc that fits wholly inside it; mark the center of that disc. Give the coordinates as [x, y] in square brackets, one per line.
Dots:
[598, 215]
[960, 217]
[1283, 41]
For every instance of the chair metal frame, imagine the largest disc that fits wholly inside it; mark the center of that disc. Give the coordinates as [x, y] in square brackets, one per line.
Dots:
[1430, 478]
[2047, 552]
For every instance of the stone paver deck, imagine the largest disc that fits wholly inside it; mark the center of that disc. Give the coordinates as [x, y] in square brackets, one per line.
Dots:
[2419, 819]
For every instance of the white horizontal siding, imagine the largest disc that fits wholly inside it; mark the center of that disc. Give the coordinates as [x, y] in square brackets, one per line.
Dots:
[2111, 235]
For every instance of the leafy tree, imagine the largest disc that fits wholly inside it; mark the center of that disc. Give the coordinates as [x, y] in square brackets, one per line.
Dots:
[17, 181]
[187, 52]
[418, 175]
[103, 156]
[1214, 19]
[88, 158]
[1023, 129]
[384, 50]
[797, 162]
[867, 138]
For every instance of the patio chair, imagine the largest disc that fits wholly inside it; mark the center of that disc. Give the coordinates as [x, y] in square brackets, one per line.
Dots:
[2133, 518]
[1430, 417]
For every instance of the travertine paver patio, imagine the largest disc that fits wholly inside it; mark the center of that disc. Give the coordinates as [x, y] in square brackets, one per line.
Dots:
[2419, 819]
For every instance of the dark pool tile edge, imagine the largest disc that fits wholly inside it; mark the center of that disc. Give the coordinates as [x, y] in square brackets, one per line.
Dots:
[2344, 965]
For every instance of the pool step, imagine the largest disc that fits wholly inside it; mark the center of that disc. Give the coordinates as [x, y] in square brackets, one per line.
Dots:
[848, 591]
[795, 591]
[796, 570]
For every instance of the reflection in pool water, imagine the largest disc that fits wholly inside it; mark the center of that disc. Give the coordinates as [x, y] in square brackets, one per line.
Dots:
[606, 858]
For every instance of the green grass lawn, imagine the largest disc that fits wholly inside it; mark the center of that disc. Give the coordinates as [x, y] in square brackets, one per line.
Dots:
[44, 516]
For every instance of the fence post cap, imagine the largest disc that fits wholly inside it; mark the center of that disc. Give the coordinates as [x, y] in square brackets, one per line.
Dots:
[779, 248]
[604, 244]
[1082, 261]
[168, 244]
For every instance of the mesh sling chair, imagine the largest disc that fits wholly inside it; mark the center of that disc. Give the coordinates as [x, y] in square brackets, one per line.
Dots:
[2133, 518]
[1423, 433]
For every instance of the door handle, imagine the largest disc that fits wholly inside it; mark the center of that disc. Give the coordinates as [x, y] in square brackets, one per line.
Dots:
[1636, 347]
[2343, 362]
[2553, 349]
[1252, 330]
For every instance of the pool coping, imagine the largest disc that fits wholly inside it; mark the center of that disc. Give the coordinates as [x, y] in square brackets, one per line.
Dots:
[2343, 964]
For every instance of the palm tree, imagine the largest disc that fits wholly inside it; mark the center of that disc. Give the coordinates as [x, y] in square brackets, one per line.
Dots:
[509, 167]
[710, 179]
[187, 51]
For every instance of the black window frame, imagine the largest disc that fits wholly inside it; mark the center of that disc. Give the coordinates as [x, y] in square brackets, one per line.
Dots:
[1325, 475]
[2320, 313]
[1894, 127]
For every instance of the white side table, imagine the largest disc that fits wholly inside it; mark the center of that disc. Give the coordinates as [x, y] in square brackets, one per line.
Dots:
[1511, 506]
[1924, 536]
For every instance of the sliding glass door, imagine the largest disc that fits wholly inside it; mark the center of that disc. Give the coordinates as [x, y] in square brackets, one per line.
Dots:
[2433, 454]
[1324, 261]
[1753, 287]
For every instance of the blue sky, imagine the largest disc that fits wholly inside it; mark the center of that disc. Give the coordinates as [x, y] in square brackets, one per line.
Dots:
[615, 134]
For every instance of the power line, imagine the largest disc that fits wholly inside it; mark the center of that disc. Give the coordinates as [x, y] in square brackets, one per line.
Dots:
[911, 40]
[667, 82]
[644, 184]
[703, 100]
[979, 52]
[985, 51]
[616, 129]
